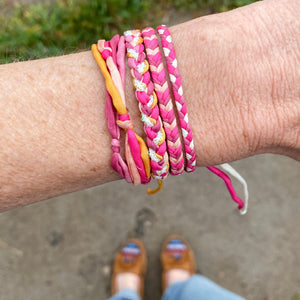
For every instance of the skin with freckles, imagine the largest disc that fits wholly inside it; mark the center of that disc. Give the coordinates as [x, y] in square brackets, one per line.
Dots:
[240, 74]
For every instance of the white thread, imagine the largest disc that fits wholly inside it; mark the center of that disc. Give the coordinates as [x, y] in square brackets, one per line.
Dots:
[146, 120]
[140, 85]
[165, 169]
[150, 103]
[153, 156]
[228, 168]
[188, 156]
[158, 138]
[141, 67]
[166, 51]
[133, 53]
[192, 144]
[179, 106]
[168, 38]
[180, 91]
[186, 118]
[136, 39]
[172, 78]
[184, 132]
[174, 63]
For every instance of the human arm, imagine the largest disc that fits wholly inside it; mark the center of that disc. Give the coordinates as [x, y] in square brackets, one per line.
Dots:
[240, 74]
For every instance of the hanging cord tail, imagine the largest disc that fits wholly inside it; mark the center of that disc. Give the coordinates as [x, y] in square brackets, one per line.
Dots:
[159, 188]
[228, 168]
[242, 206]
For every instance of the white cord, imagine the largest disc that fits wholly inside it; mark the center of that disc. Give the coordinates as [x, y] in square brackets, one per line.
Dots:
[228, 168]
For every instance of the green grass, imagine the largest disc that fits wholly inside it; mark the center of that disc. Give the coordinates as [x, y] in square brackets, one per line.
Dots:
[66, 26]
[296, 296]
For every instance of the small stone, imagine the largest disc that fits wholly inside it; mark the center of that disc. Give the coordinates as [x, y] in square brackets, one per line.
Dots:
[54, 238]
[106, 270]
[221, 274]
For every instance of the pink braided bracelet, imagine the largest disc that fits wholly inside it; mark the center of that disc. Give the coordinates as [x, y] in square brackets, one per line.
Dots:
[169, 52]
[175, 78]
[147, 104]
[167, 114]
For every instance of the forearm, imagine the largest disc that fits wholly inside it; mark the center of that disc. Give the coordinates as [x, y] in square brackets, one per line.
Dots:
[241, 82]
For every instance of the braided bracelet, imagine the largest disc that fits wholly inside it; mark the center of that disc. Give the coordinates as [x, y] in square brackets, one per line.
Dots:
[167, 114]
[175, 79]
[147, 104]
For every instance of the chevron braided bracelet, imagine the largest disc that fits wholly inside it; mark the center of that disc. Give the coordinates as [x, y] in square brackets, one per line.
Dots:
[161, 87]
[175, 79]
[146, 96]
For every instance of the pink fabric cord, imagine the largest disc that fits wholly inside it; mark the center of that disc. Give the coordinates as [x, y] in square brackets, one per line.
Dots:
[175, 79]
[118, 54]
[167, 114]
[117, 162]
[228, 183]
[132, 148]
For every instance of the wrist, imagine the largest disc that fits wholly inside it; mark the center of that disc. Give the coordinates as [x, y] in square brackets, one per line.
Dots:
[214, 88]
[277, 28]
[230, 81]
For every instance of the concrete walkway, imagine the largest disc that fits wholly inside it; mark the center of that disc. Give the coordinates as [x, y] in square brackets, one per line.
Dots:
[63, 248]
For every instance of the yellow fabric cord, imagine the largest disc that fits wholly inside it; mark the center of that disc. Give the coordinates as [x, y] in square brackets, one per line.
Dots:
[160, 186]
[116, 98]
[144, 155]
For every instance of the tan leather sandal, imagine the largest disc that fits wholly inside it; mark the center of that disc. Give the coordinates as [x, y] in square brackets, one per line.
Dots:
[131, 258]
[176, 254]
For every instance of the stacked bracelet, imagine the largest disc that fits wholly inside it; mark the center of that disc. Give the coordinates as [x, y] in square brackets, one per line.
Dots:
[163, 152]
[175, 79]
[147, 104]
[161, 87]
[117, 161]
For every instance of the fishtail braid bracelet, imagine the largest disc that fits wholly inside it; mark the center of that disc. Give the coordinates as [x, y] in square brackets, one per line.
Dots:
[175, 79]
[161, 87]
[146, 96]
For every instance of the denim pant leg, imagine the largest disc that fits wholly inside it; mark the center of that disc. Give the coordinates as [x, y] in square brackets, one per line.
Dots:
[126, 295]
[198, 288]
